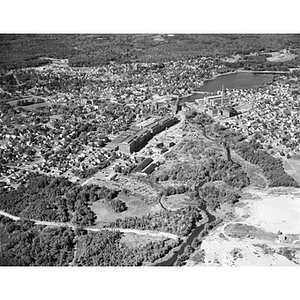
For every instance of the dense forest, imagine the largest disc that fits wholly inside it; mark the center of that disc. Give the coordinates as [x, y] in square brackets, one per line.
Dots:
[214, 196]
[106, 249]
[272, 167]
[50, 199]
[57, 199]
[94, 50]
[24, 244]
[213, 169]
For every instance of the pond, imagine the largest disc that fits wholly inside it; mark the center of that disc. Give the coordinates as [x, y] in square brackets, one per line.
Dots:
[240, 80]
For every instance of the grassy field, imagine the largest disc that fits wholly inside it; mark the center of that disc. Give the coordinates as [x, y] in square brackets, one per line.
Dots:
[175, 202]
[135, 208]
[133, 240]
[281, 57]
[292, 167]
[242, 231]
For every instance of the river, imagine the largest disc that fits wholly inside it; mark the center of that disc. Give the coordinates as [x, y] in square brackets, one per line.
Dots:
[240, 80]
[192, 236]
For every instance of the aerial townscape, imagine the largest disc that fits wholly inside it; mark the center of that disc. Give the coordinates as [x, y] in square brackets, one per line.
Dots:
[149, 150]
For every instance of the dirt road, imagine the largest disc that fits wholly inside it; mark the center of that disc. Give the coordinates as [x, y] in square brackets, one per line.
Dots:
[136, 231]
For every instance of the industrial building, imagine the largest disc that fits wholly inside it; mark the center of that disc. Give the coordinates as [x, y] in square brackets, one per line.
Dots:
[143, 164]
[150, 168]
[137, 136]
[114, 144]
[222, 111]
[128, 145]
[217, 100]
[217, 105]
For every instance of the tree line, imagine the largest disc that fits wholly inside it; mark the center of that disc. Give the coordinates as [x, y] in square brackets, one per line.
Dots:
[49, 198]
[25, 244]
[272, 167]
[106, 248]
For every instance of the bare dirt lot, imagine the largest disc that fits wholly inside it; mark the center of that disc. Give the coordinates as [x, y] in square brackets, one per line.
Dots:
[275, 209]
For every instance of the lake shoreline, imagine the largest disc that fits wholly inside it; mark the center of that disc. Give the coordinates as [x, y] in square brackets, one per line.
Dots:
[255, 81]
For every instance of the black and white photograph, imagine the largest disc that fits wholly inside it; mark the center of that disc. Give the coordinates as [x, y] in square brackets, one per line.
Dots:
[149, 149]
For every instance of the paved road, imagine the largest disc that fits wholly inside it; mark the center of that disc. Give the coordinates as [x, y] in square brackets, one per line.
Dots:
[136, 231]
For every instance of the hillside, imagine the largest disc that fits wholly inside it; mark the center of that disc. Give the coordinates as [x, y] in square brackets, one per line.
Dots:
[93, 50]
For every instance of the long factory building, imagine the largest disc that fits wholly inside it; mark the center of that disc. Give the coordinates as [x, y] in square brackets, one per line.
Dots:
[137, 136]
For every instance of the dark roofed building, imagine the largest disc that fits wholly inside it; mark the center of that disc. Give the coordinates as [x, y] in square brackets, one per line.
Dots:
[142, 165]
[150, 168]
[128, 145]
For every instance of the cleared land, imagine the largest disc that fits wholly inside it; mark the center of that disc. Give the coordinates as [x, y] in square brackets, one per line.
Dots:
[135, 208]
[251, 238]
[278, 209]
[218, 251]
[175, 202]
[281, 57]
[133, 240]
[292, 167]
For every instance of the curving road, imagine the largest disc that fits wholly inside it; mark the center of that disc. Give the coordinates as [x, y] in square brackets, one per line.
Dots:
[58, 224]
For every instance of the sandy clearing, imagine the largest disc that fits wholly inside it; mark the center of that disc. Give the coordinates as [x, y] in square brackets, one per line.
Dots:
[268, 209]
[220, 252]
[275, 212]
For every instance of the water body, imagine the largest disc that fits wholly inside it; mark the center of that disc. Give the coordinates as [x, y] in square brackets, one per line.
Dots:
[241, 80]
[192, 236]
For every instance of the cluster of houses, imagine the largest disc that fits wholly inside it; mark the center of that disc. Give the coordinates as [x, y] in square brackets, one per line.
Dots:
[86, 107]
[123, 83]
[273, 119]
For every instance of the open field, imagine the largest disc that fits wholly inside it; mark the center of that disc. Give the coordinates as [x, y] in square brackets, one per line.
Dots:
[175, 202]
[133, 240]
[292, 167]
[277, 209]
[281, 57]
[232, 59]
[242, 230]
[135, 208]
